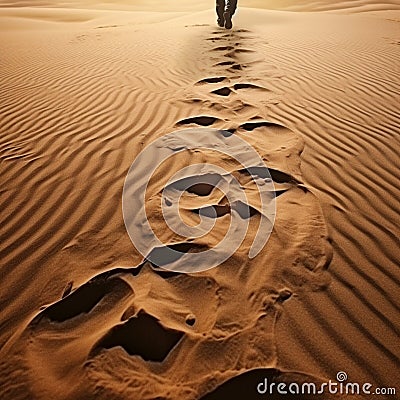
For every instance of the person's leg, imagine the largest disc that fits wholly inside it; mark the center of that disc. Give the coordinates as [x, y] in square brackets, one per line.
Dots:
[220, 7]
[230, 9]
[231, 6]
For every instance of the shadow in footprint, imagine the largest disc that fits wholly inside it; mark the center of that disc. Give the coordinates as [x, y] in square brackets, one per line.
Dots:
[202, 120]
[223, 63]
[201, 185]
[280, 177]
[225, 91]
[162, 256]
[239, 86]
[81, 301]
[268, 173]
[279, 192]
[223, 48]
[142, 336]
[219, 210]
[244, 51]
[216, 79]
[250, 126]
[213, 211]
[239, 51]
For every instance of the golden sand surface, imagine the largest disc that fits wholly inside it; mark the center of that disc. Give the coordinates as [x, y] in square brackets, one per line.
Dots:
[313, 87]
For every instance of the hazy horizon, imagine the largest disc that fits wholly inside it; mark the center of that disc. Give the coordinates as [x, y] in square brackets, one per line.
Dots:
[198, 5]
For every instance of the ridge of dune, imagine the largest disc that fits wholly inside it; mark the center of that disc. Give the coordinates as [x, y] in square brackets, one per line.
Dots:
[174, 6]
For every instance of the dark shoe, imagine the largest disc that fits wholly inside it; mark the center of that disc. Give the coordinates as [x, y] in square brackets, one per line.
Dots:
[221, 22]
[228, 20]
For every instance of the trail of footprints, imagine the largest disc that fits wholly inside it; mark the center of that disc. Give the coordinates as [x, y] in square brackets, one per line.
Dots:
[232, 89]
[140, 333]
[228, 96]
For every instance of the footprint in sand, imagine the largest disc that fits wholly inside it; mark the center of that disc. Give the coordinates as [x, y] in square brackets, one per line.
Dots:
[216, 79]
[227, 90]
[235, 45]
[223, 48]
[241, 85]
[202, 120]
[223, 63]
[224, 91]
[250, 126]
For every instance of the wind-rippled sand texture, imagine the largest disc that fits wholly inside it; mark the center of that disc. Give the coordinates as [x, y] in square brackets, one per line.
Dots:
[83, 92]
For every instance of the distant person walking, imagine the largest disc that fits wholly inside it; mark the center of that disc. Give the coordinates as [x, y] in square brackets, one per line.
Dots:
[225, 10]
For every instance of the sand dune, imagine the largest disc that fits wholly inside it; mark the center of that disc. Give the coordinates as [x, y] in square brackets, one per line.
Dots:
[200, 5]
[83, 92]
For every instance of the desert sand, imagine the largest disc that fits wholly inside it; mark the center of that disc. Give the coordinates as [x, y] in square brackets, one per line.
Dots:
[85, 87]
